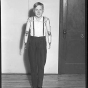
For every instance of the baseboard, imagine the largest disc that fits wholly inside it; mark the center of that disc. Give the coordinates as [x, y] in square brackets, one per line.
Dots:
[26, 74]
[15, 73]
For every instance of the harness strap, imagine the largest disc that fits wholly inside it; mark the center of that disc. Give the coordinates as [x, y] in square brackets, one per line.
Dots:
[43, 26]
[33, 25]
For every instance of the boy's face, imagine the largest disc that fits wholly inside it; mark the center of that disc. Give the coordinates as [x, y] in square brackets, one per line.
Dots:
[38, 11]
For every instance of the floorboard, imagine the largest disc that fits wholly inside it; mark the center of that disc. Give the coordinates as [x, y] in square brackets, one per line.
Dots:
[50, 81]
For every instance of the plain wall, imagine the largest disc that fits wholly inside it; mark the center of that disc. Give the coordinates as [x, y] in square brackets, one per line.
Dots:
[14, 15]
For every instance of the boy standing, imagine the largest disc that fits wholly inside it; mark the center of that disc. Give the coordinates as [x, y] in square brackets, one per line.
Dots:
[38, 32]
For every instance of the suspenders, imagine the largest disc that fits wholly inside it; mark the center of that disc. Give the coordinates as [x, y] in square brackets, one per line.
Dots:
[43, 26]
[34, 29]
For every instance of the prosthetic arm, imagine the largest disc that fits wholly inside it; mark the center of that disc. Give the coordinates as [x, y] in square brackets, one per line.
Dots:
[49, 32]
[27, 32]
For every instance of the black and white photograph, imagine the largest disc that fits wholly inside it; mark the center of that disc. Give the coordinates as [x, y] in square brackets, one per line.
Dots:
[43, 44]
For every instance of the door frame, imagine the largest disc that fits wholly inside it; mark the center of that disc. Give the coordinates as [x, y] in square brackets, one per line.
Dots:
[62, 33]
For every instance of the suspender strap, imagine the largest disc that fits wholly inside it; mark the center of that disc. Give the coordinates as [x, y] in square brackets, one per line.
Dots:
[43, 26]
[33, 25]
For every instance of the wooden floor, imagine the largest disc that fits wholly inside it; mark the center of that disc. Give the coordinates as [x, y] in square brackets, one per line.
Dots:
[50, 81]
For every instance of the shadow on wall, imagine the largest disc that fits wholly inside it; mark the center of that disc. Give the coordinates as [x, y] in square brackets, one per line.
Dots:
[25, 55]
[31, 13]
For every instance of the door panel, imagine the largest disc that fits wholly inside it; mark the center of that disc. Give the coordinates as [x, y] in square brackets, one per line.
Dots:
[72, 37]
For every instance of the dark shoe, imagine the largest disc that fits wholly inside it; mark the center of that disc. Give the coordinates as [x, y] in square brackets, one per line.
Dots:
[39, 87]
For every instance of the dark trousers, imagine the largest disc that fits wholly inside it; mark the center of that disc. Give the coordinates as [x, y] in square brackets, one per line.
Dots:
[37, 57]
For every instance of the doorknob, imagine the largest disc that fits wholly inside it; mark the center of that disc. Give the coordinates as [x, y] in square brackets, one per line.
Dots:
[64, 33]
[82, 36]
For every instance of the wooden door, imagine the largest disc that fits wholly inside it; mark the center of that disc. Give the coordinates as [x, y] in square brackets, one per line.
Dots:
[72, 37]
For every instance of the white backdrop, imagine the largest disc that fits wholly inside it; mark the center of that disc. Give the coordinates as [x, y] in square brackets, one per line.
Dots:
[14, 14]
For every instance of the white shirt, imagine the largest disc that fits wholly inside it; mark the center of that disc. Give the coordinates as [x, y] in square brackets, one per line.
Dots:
[38, 28]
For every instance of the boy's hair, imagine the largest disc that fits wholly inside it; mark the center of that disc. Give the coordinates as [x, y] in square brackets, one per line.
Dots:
[38, 3]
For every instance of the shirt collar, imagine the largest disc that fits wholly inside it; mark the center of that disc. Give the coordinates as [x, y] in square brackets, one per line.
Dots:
[37, 20]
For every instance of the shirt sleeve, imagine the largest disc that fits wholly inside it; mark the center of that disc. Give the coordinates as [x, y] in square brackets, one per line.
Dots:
[48, 30]
[27, 30]
[48, 25]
